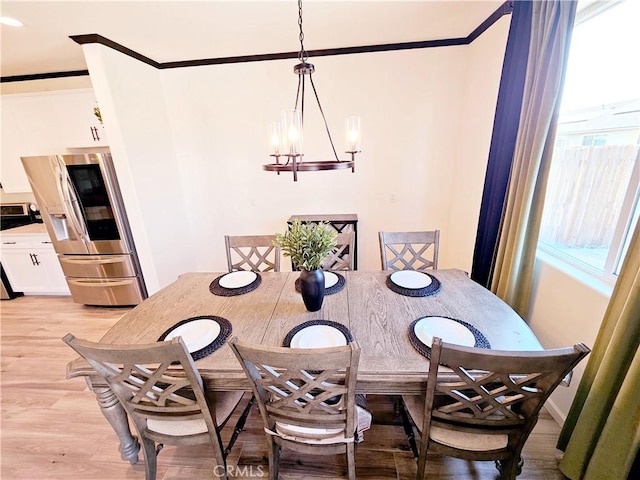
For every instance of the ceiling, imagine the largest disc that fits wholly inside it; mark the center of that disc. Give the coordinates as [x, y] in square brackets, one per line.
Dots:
[189, 30]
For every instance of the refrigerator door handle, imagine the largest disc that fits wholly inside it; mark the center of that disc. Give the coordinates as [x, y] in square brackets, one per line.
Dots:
[65, 189]
[77, 214]
[91, 283]
[93, 261]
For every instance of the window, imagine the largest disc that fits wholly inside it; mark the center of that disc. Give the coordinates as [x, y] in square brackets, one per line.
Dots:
[589, 140]
[593, 196]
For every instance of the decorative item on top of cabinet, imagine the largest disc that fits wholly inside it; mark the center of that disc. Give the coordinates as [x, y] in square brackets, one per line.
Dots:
[94, 130]
[85, 128]
[43, 123]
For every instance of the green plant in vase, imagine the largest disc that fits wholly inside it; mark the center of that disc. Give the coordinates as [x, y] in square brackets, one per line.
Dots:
[308, 244]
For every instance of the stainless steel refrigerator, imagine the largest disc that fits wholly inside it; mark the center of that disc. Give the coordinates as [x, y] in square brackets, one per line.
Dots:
[81, 206]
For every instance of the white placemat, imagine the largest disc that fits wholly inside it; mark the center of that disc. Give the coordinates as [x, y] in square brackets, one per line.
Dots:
[318, 336]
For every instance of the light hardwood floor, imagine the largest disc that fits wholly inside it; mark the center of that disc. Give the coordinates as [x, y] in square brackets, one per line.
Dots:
[51, 427]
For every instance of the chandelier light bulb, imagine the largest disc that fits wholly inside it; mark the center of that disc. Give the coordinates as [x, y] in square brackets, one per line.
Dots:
[352, 129]
[275, 137]
[293, 134]
[292, 126]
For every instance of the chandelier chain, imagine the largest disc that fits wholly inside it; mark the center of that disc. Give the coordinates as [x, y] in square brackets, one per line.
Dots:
[302, 56]
[291, 138]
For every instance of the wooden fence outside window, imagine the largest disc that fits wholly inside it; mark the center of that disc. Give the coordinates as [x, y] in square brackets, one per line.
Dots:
[586, 188]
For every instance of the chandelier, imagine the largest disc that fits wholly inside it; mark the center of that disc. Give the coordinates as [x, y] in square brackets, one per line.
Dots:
[286, 135]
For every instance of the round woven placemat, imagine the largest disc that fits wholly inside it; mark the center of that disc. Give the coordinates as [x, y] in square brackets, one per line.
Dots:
[339, 285]
[430, 289]
[216, 289]
[225, 331]
[345, 331]
[481, 340]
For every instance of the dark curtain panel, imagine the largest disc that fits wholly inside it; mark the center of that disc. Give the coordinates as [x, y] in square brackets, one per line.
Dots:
[503, 140]
[635, 469]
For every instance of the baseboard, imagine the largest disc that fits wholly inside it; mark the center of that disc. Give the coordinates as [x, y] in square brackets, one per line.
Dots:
[555, 412]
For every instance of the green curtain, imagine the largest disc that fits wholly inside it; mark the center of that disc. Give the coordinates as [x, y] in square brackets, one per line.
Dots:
[601, 435]
[551, 28]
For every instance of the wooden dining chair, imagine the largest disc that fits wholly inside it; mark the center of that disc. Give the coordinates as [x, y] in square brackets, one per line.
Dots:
[252, 252]
[162, 392]
[343, 257]
[409, 250]
[483, 404]
[306, 398]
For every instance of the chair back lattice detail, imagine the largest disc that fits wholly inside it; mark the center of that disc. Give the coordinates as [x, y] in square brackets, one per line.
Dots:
[488, 397]
[161, 390]
[299, 394]
[343, 257]
[409, 250]
[484, 394]
[252, 252]
[155, 380]
[152, 389]
[298, 388]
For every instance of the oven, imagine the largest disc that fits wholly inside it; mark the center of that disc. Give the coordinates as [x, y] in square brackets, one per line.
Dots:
[15, 215]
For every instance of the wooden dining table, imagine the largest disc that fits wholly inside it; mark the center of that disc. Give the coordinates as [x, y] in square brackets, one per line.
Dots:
[377, 317]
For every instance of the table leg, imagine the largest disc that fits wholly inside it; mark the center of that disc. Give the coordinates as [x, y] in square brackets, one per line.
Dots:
[117, 417]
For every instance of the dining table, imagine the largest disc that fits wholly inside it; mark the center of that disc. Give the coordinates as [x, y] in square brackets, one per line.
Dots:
[378, 317]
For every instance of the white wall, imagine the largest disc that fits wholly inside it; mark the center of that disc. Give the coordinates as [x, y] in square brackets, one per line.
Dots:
[191, 143]
[484, 69]
[16, 197]
[220, 115]
[567, 307]
[133, 108]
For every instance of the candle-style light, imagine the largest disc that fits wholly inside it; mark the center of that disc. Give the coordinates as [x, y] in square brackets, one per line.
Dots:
[275, 137]
[292, 133]
[352, 133]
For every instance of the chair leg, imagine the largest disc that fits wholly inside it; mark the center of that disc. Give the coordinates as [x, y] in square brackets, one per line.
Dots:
[351, 461]
[408, 429]
[240, 425]
[510, 468]
[422, 468]
[397, 406]
[151, 464]
[274, 459]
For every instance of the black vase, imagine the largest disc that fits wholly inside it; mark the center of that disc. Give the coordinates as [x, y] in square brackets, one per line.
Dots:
[312, 289]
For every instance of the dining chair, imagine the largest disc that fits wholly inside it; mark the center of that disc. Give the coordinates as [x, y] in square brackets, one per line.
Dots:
[162, 392]
[306, 398]
[343, 257]
[483, 404]
[409, 250]
[252, 252]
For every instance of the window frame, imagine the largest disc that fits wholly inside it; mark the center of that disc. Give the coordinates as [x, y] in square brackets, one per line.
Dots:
[629, 211]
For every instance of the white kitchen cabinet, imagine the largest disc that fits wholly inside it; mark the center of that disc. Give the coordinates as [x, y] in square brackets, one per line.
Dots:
[81, 128]
[45, 123]
[31, 265]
